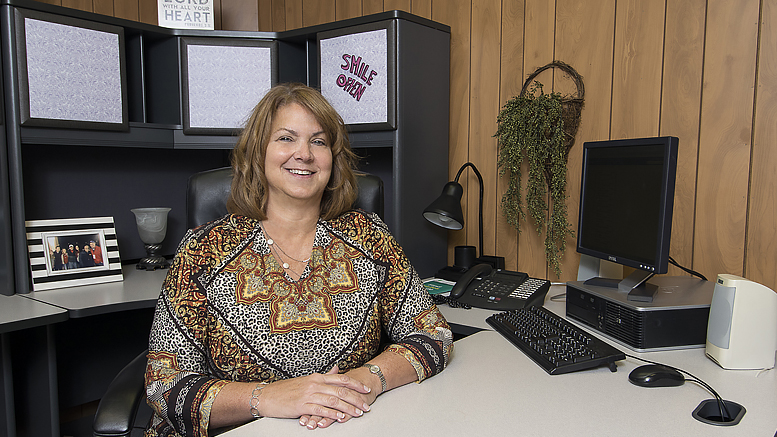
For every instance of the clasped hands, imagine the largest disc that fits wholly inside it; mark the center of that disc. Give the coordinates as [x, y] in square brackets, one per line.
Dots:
[318, 399]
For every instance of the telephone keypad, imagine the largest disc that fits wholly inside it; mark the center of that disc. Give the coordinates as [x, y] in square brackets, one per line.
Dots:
[505, 290]
[493, 290]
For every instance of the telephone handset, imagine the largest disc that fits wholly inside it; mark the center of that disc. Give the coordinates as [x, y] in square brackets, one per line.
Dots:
[461, 285]
[496, 289]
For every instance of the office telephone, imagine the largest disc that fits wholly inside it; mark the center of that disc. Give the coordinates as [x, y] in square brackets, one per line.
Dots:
[495, 289]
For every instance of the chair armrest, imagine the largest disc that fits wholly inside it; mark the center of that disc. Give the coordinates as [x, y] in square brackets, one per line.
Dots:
[116, 411]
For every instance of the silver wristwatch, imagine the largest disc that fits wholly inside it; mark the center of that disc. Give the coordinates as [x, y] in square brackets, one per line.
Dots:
[376, 370]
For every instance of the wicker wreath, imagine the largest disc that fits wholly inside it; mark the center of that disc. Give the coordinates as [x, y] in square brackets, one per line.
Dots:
[571, 106]
[551, 215]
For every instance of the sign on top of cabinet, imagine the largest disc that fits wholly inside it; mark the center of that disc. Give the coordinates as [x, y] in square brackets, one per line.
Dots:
[185, 14]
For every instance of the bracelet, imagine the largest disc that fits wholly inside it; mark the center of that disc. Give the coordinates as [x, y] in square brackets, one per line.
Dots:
[253, 403]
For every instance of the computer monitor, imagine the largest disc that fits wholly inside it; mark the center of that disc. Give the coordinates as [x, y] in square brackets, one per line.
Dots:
[626, 202]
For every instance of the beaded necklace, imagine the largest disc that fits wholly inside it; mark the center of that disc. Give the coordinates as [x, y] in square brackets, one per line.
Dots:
[273, 244]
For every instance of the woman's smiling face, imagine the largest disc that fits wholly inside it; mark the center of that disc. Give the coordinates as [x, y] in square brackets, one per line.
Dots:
[298, 161]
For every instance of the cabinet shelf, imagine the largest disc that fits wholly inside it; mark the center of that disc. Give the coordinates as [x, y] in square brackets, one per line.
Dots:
[59, 170]
[145, 135]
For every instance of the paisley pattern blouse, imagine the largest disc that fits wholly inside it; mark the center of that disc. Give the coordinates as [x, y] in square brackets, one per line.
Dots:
[229, 312]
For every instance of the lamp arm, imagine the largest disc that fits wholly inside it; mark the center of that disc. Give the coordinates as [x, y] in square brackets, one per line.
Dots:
[480, 209]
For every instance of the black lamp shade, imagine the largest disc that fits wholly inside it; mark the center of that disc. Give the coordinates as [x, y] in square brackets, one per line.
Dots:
[445, 211]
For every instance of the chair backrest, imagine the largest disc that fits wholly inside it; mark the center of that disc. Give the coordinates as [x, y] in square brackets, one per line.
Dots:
[206, 196]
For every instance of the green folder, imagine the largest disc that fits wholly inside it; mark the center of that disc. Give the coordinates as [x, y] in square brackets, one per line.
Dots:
[437, 287]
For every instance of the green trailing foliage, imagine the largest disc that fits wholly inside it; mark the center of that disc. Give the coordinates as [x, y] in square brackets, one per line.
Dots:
[531, 126]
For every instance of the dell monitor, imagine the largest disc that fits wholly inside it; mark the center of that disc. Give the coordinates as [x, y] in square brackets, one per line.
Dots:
[626, 202]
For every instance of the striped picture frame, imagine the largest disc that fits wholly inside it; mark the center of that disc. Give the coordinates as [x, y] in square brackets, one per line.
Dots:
[72, 252]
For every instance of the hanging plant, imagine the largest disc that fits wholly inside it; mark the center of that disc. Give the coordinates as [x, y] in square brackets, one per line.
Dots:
[540, 128]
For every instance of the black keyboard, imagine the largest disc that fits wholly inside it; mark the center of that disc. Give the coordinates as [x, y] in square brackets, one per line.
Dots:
[552, 342]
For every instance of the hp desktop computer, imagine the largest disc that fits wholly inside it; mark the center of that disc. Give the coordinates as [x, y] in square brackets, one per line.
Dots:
[675, 319]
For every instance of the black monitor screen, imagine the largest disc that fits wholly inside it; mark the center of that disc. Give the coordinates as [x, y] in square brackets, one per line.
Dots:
[626, 201]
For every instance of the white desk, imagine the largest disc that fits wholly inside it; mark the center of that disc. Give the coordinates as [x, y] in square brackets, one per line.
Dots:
[492, 388]
[40, 375]
[139, 289]
[18, 313]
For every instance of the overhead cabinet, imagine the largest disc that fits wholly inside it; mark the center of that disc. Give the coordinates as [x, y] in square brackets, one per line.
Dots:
[102, 115]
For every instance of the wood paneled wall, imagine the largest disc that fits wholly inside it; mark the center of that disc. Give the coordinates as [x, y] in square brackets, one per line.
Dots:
[705, 72]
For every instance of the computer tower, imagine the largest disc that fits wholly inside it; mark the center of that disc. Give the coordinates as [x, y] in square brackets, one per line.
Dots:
[675, 319]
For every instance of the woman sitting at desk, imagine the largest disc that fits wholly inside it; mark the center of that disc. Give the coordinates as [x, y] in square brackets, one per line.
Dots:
[280, 308]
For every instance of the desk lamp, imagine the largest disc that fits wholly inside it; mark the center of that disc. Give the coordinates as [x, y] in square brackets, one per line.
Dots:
[152, 227]
[446, 212]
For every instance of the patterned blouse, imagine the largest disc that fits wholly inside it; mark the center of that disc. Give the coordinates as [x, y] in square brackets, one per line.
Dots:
[228, 312]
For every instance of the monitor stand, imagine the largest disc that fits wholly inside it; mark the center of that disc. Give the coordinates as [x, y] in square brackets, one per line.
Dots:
[591, 267]
[635, 285]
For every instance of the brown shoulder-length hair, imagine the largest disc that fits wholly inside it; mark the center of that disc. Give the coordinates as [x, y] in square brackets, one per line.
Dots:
[248, 196]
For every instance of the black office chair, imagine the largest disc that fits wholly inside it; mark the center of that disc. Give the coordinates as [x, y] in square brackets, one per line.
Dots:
[206, 199]
[207, 193]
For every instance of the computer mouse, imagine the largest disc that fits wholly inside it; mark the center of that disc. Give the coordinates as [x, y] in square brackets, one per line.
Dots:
[655, 375]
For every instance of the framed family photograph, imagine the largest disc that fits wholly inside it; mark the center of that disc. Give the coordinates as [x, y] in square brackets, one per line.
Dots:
[72, 252]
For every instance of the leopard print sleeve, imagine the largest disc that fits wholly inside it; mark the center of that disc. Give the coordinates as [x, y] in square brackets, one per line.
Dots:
[416, 328]
[179, 387]
[419, 331]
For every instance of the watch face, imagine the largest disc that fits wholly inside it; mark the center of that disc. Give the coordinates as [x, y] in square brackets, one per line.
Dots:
[374, 368]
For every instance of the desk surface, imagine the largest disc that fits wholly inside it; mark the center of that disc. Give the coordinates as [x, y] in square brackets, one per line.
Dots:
[490, 387]
[139, 289]
[17, 312]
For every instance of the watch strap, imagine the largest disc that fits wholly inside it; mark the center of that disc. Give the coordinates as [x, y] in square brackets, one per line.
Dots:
[375, 369]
